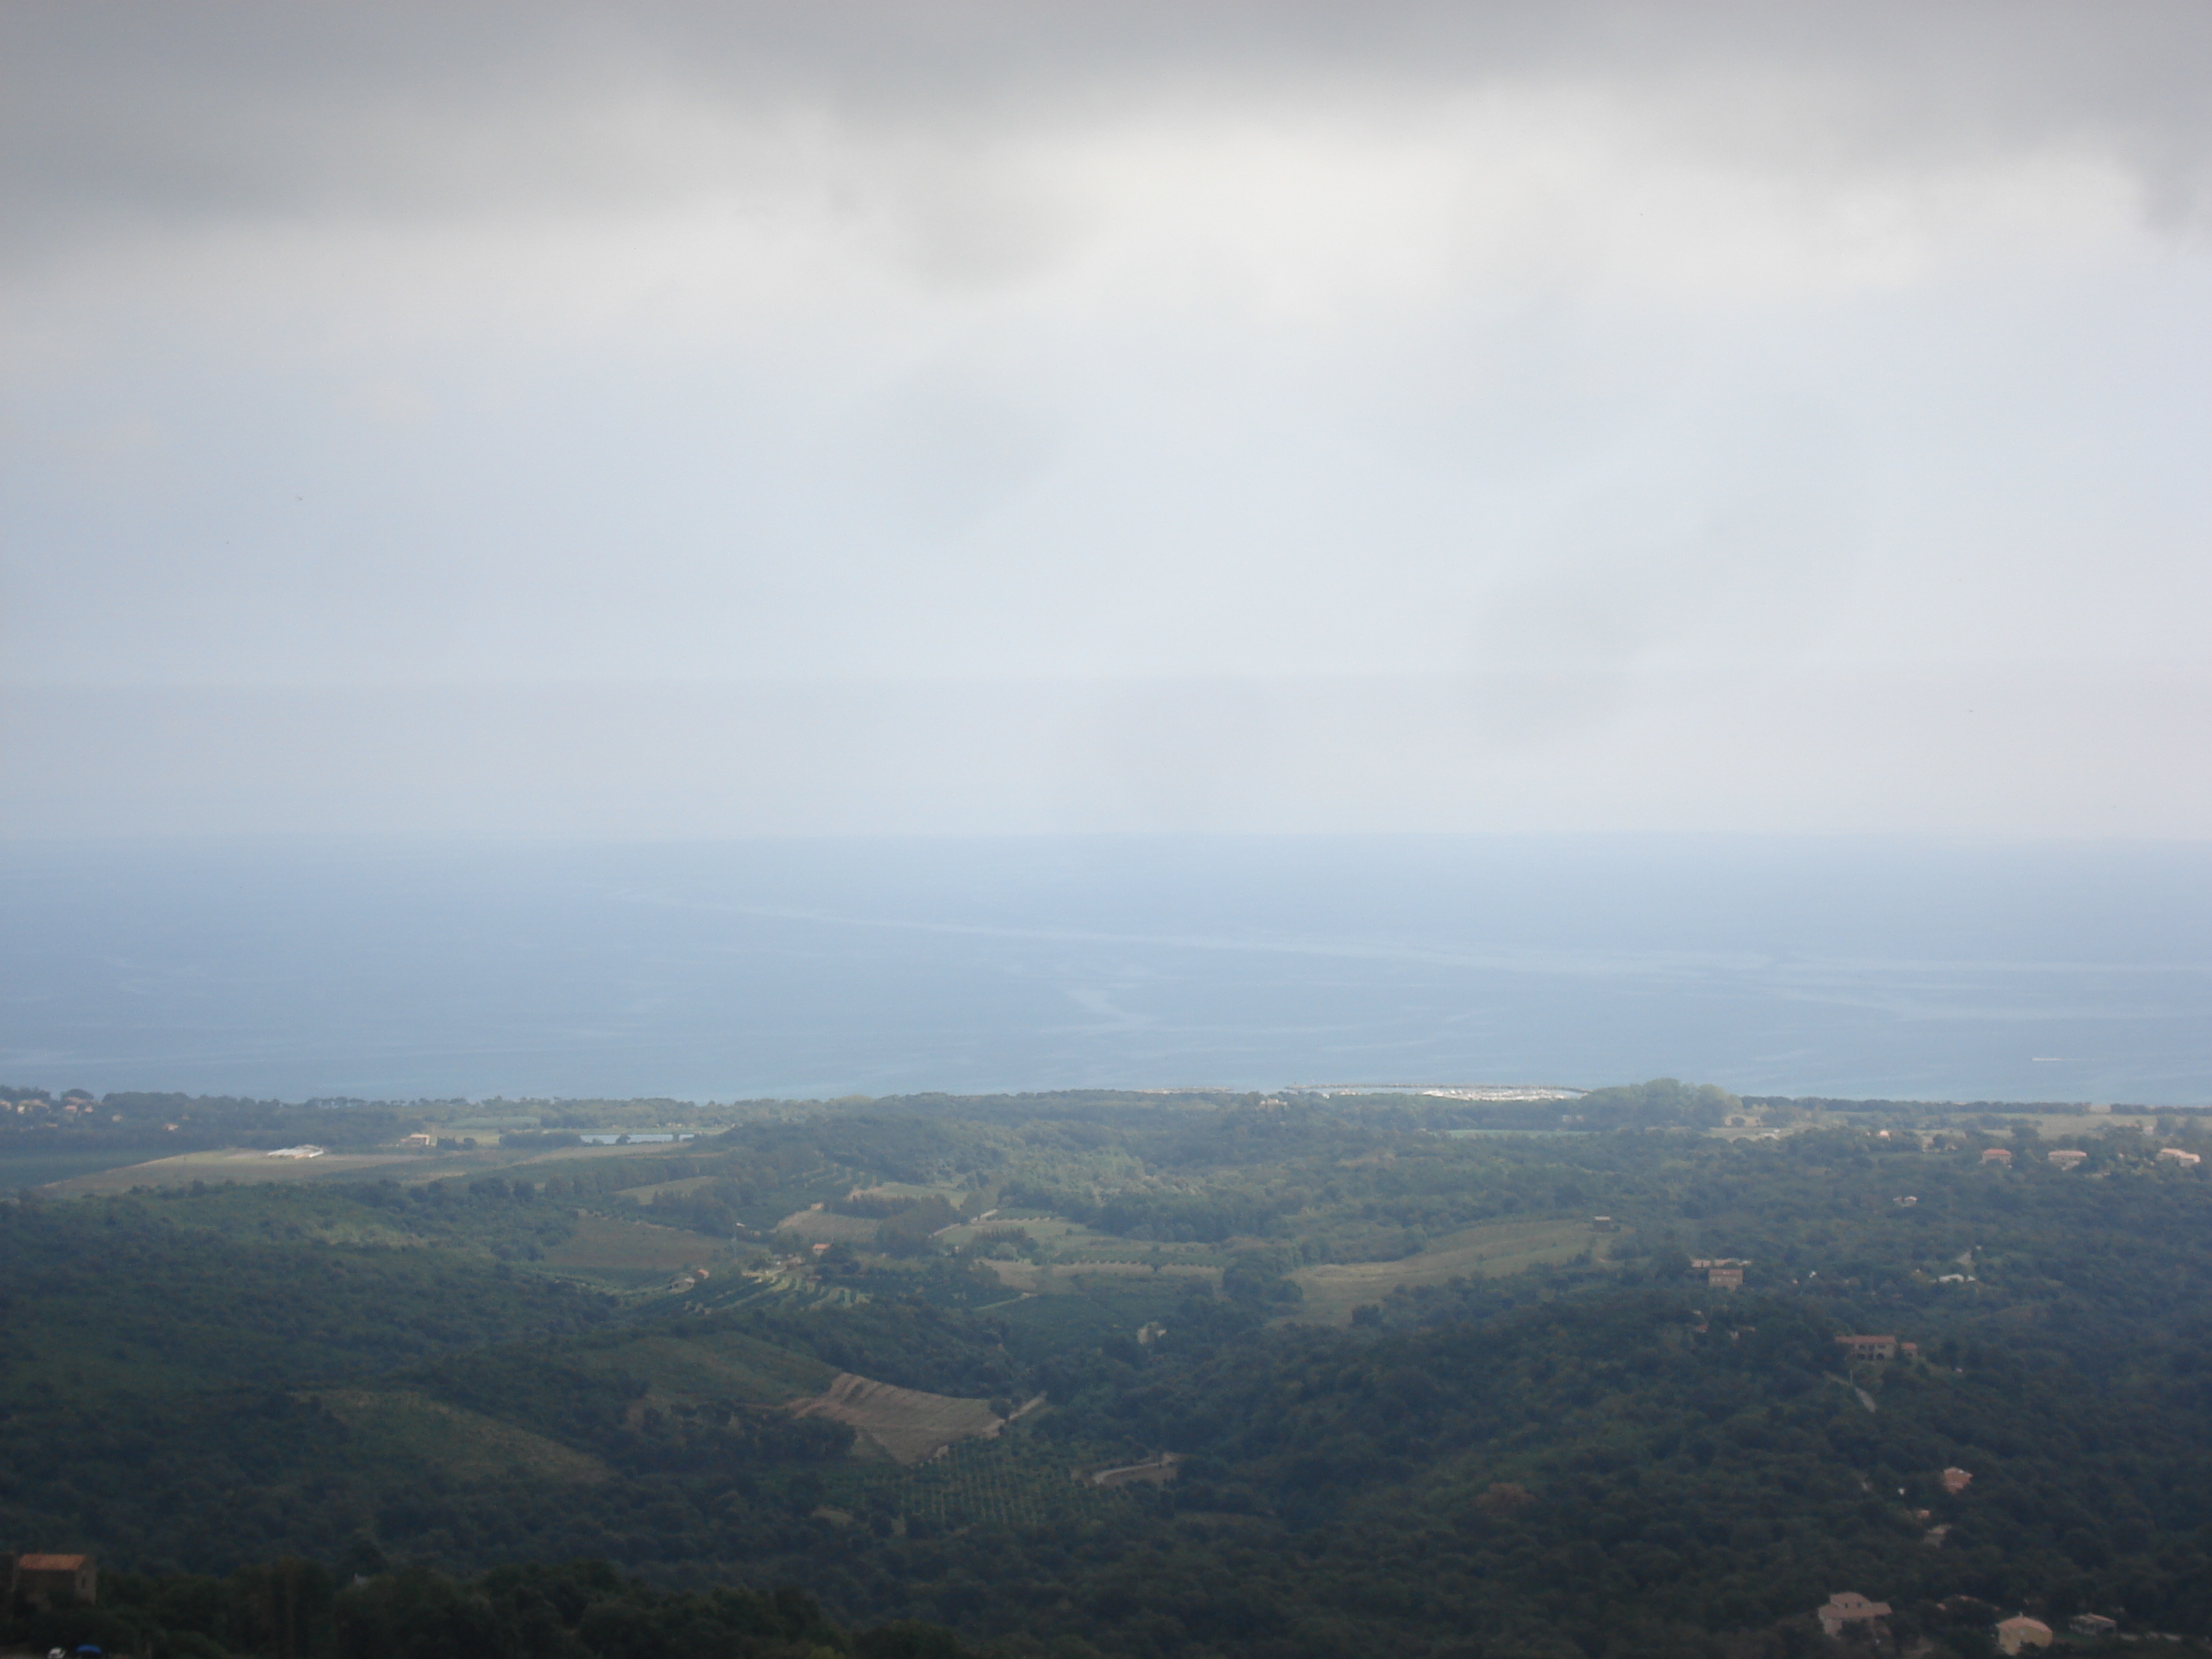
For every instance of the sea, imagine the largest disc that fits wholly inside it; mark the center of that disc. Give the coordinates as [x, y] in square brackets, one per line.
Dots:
[823, 969]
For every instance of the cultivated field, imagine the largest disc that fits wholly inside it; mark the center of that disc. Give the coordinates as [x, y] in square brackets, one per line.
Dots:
[1074, 1278]
[1012, 1480]
[1490, 1251]
[462, 1444]
[699, 1369]
[907, 1190]
[1037, 1327]
[630, 1254]
[645, 1194]
[410, 1164]
[908, 1425]
[827, 1227]
[228, 1163]
[1051, 1230]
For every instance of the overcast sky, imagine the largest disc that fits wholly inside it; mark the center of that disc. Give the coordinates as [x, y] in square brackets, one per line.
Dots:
[1026, 415]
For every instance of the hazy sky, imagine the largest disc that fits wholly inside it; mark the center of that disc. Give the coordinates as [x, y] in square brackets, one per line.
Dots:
[693, 420]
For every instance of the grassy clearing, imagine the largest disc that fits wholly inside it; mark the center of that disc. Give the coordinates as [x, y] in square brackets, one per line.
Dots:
[53, 1169]
[1020, 1278]
[828, 1227]
[1040, 1326]
[629, 1255]
[1490, 1251]
[645, 1194]
[1081, 1277]
[905, 1423]
[1045, 1230]
[396, 1425]
[908, 1189]
[699, 1370]
[1186, 1275]
[237, 1164]
[94, 1176]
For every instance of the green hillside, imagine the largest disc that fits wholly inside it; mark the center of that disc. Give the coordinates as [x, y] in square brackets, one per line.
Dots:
[1420, 1400]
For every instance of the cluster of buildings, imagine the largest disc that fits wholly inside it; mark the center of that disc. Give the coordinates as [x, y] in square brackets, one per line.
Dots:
[1849, 1614]
[75, 1104]
[1877, 1347]
[2073, 1157]
[1848, 1611]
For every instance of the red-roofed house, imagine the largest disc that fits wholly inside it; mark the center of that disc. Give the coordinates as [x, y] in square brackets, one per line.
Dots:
[41, 1581]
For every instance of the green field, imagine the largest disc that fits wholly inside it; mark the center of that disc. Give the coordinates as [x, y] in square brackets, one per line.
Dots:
[38, 1169]
[1013, 1481]
[1331, 1292]
[1040, 1325]
[629, 1255]
[717, 1366]
[413, 1428]
[1543, 1443]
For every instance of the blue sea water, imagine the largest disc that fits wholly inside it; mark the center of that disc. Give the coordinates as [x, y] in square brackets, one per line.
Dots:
[1840, 967]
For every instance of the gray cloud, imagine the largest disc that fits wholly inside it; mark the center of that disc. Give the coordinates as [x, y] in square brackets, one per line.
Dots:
[147, 109]
[1540, 362]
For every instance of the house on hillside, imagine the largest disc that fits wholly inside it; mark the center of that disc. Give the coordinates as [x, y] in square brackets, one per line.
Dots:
[2022, 1631]
[1998, 1156]
[1868, 1347]
[1956, 1481]
[2178, 1159]
[2068, 1158]
[1849, 1610]
[1722, 1272]
[41, 1583]
[422, 1140]
[2090, 1624]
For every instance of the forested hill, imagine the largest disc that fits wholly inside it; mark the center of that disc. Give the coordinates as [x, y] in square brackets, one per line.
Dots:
[1429, 1388]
